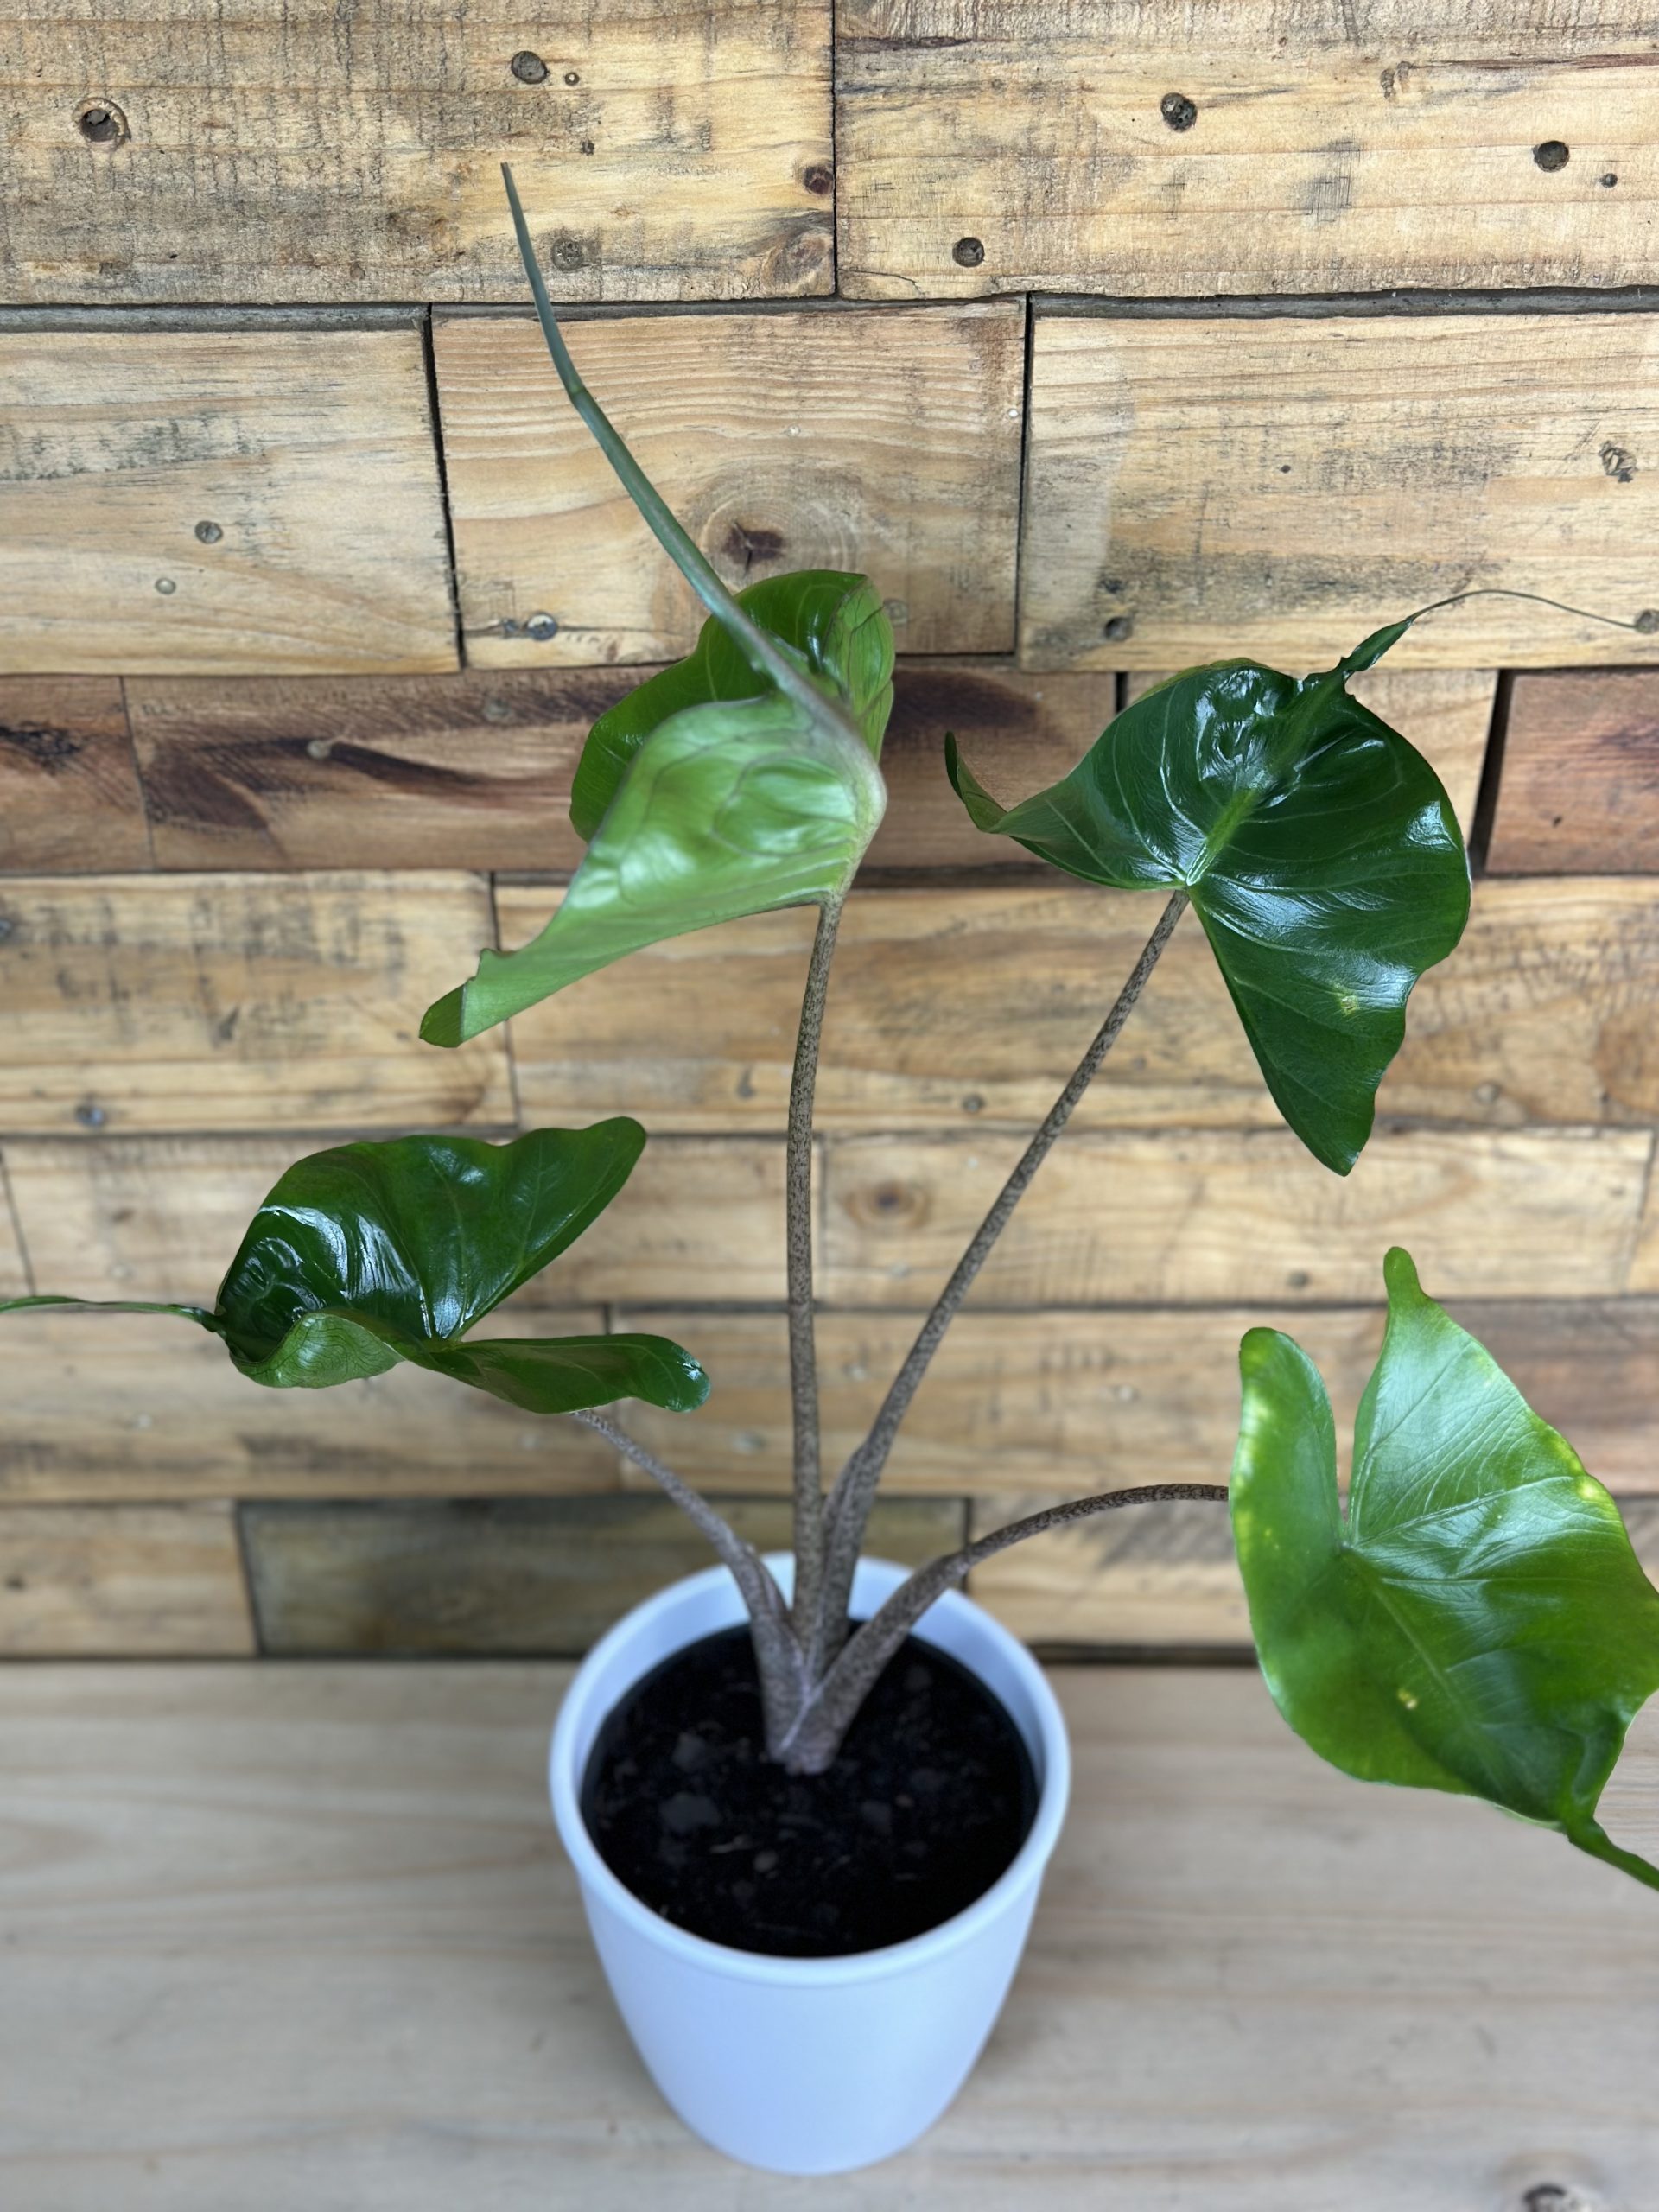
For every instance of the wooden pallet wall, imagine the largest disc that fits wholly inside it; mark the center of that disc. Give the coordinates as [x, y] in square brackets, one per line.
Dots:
[1105, 346]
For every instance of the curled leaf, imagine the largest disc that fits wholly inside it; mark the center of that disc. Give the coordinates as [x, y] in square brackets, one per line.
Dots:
[833, 626]
[727, 809]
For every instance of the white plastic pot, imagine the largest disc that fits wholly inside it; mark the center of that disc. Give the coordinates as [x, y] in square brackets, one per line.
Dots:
[808, 2066]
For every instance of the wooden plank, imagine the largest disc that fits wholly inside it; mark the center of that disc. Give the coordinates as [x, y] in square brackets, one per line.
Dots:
[103, 1407]
[776, 438]
[1202, 2011]
[662, 153]
[69, 795]
[126, 1582]
[494, 1578]
[1579, 792]
[1122, 1218]
[953, 1010]
[161, 1218]
[216, 499]
[225, 1001]
[1267, 149]
[474, 769]
[13, 1271]
[1163, 1578]
[1333, 474]
[1065, 1402]
[460, 770]
[1446, 712]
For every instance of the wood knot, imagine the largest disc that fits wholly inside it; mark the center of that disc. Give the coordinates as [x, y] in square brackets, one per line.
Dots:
[891, 1204]
[746, 543]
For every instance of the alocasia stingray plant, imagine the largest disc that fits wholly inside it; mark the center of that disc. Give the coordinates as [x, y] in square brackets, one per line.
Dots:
[1474, 1620]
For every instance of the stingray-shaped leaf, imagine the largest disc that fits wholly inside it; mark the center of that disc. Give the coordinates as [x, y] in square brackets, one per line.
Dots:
[833, 626]
[1318, 849]
[1478, 1620]
[728, 809]
[372, 1254]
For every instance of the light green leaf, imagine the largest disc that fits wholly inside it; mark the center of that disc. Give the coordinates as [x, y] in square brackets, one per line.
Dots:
[1478, 1621]
[1318, 848]
[833, 626]
[727, 810]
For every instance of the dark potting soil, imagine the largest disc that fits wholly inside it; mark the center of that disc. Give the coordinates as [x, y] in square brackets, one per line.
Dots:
[930, 1800]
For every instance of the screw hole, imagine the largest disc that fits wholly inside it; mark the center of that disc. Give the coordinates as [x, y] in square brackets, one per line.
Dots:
[1120, 626]
[1554, 154]
[968, 253]
[209, 532]
[1177, 111]
[100, 123]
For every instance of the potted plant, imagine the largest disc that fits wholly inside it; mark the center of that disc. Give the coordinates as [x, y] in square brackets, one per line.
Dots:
[810, 1800]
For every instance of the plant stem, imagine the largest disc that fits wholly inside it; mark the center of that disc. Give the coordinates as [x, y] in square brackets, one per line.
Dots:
[778, 1653]
[849, 1509]
[760, 650]
[828, 1713]
[803, 1355]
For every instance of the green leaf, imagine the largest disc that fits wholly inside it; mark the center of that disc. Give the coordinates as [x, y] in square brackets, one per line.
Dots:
[371, 1255]
[727, 810]
[1478, 1621]
[541, 1375]
[835, 628]
[425, 1233]
[1318, 846]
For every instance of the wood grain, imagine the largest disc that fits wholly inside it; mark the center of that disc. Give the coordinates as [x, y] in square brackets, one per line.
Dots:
[161, 1216]
[14, 1270]
[662, 153]
[1120, 1219]
[884, 441]
[343, 1925]
[474, 769]
[224, 1001]
[1283, 487]
[460, 770]
[69, 795]
[1064, 1402]
[104, 1406]
[494, 1578]
[128, 1581]
[310, 451]
[1579, 792]
[1321, 151]
[948, 1010]
[1216, 1217]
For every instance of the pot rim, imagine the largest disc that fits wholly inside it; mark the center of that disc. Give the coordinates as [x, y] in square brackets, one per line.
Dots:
[1050, 1753]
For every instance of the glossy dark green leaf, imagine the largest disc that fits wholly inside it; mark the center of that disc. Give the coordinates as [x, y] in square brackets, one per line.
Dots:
[541, 1375]
[425, 1233]
[371, 1255]
[1318, 846]
[727, 809]
[834, 625]
[1478, 1620]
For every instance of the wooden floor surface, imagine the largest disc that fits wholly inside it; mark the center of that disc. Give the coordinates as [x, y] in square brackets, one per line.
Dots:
[286, 1936]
